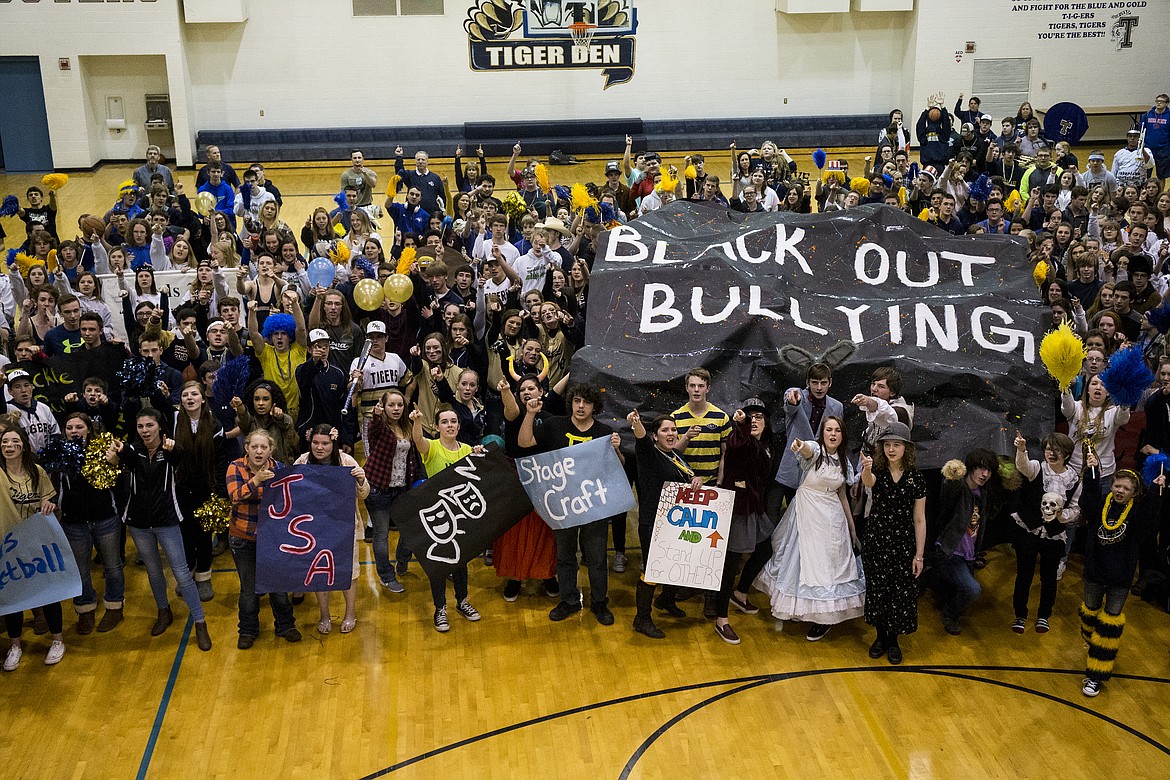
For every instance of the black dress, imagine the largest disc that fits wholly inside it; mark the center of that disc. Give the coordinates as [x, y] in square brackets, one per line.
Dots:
[891, 597]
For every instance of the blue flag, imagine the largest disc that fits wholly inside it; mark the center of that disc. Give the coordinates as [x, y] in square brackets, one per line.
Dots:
[576, 485]
[305, 531]
[36, 566]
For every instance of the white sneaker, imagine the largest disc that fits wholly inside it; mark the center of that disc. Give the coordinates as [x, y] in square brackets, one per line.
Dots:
[55, 654]
[13, 659]
[1060, 571]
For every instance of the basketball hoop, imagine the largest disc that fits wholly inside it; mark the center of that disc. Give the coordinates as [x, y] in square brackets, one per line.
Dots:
[582, 34]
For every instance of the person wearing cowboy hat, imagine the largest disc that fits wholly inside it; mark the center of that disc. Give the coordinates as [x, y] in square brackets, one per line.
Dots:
[557, 231]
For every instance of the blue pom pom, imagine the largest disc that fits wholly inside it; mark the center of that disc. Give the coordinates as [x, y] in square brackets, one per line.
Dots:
[231, 379]
[562, 192]
[367, 268]
[1159, 317]
[62, 456]
[276, 323]
[1155, 465]
[447, 223]
[819, 158]
[10, 206]
[339, 199]
[1127, 376]
[10, 257]
[608, 214]
[981, 188]
[138, 376]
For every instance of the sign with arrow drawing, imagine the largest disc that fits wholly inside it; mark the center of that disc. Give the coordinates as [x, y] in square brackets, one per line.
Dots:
[689, 544]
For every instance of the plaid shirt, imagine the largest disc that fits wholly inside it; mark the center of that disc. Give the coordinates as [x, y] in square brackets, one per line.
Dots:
[245, 497]
[380, 457]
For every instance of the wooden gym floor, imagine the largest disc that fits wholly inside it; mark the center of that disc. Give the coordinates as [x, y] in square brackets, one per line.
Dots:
[516, 696]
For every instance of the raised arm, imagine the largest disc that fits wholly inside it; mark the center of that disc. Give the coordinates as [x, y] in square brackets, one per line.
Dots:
[421, 443]
[258, 342]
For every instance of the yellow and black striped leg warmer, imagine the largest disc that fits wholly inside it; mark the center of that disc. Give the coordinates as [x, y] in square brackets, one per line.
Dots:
[1088, 621]
[1103, 646]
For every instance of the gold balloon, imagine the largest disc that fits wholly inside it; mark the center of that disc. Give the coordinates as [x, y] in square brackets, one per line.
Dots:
[204, 202]
[398, 288]
[368, 294]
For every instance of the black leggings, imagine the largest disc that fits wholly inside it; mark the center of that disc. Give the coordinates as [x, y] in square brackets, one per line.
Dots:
[756, 561]
[618, 524]
[14, 622]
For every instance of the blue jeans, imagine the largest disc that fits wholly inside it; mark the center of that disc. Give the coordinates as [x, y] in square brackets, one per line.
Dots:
[244, 554]
[959, 579]
[592, 538]
[1114, 597]
[378, 505]
[170, 538]
[106, 535]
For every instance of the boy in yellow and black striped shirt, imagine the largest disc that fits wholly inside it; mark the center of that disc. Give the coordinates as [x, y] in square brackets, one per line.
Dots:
[704, 427]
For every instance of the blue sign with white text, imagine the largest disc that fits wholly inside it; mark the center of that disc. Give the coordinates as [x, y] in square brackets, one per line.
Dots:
[36, 566]
[576, 485]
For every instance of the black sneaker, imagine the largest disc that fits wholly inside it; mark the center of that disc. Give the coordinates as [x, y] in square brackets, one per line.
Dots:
[512, 590]
[441, 624]
[602, 613]
[552, 588]
[465, 609]
[400, 568]
[1090, 687]
[563, 610]
[951, 625]
[817, 631]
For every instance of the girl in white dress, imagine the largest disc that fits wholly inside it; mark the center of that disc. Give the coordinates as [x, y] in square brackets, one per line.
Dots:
[814, 574]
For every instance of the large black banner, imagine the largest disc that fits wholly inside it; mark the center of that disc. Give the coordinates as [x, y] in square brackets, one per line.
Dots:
[457, 514]
[753, 298]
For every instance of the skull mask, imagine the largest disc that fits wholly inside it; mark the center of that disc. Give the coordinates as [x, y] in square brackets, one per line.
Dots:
[1050, 506]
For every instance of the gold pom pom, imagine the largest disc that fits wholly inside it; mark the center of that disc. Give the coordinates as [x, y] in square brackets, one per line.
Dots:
[667, 183]
[514, 207]
[954, 469]
[100, 473]
[860, 185]
[215, 515]
[581, 198]
[55, 181]
[1063, 354]
[406, 260]
[542, 179]
[1040, 273]
[392, 186]
[691, 173]
[339, 253]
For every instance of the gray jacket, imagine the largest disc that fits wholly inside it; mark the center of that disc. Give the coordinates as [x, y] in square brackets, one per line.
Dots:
[797, 426]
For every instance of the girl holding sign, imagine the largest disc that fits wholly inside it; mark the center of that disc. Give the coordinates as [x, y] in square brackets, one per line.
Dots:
[658, 463]
[895, 535]
[26, 490]
[199, 463]
[323, 451]
[814, 574]
[436, 456]
[392, 466]
[152, 518]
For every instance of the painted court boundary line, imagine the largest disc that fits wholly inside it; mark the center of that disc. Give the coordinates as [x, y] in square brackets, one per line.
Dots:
[746, 683]
[165, 701]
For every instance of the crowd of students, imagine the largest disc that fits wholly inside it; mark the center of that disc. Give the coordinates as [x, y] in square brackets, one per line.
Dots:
[255, 366]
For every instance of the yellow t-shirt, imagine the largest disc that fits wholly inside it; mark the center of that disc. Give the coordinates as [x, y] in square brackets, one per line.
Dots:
[439, 457]
[281, 370]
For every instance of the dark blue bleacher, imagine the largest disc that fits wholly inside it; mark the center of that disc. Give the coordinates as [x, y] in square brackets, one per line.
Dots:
[575, 137]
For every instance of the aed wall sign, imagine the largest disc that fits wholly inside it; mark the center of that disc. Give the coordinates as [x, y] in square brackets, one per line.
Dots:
[553, 35]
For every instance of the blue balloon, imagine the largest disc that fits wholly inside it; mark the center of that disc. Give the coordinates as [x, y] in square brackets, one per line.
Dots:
[320, 272]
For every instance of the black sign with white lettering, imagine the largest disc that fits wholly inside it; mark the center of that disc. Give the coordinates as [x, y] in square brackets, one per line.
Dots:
[455, 515]
[754, 299]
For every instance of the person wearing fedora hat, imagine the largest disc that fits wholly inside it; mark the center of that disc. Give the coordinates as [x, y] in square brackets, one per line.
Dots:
[894, 539]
